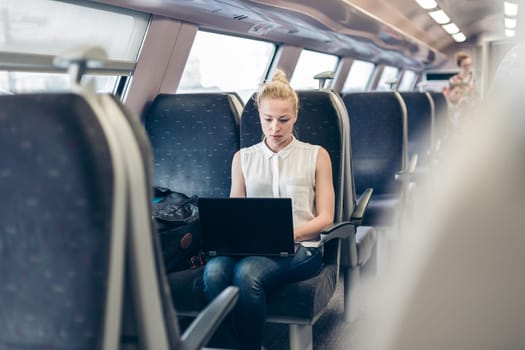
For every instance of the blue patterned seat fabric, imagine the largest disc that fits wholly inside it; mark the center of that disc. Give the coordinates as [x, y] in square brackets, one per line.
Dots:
[56, 184]
[376, 135]
[194, 138]
[295, 300]
[318, 123]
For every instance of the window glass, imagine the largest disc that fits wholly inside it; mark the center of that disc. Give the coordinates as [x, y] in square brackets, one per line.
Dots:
[22, 82]
[407, 80]
[389, 75]
[216, 63]
[311, 63]
[52, 27]
[359, 76]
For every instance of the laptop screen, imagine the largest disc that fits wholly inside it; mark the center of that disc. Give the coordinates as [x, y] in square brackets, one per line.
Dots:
[246, 226]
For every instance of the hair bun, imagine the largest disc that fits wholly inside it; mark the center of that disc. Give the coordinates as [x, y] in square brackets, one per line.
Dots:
[280, 76]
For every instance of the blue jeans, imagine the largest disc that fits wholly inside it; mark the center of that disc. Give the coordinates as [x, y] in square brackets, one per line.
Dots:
[256, 275]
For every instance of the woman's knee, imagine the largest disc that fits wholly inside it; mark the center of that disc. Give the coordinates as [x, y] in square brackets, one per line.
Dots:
[218, 272]
[250, 273]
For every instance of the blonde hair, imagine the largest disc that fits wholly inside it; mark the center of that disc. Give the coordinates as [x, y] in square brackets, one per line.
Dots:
[278, 88]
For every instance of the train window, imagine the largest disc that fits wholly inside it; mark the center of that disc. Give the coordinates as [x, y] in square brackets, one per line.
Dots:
[35, 31]
[21, 82]
[359, 76]
[216, 63]
[52, 27]
[389, 75]
[407, 80]
[309, 64]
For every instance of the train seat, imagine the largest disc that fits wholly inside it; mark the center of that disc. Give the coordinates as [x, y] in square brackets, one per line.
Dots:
[77, 252]
[62, 225]
[379, 152]
[300, 304]
[420, 125]
[441, 118]
[194, 138]
[150, 320]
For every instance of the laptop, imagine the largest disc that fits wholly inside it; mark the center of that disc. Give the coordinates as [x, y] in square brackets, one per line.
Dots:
[246, 226]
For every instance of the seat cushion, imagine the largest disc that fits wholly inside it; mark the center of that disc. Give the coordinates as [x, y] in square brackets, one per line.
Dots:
[299, 300]
[187, 290]
[304, 299]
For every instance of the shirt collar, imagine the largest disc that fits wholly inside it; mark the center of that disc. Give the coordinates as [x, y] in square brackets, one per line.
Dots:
[268, 153]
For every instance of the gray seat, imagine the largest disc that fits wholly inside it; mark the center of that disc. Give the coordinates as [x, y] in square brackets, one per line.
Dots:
[379, 152]
[150, 319]
[68, 218]
[298, 304]
[420, 125]
[62, 239]
[194, 138]
[323, 121]
[441, 118]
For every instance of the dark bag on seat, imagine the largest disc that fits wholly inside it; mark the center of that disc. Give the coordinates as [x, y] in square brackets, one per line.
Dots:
[177, 219]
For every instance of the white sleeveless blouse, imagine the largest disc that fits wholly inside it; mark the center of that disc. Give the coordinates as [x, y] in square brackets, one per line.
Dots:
[288, 173]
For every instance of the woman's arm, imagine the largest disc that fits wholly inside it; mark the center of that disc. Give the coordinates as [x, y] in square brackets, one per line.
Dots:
[238, 188]
[324, 200]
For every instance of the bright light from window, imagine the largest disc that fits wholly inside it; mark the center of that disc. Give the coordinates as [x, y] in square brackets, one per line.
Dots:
[427, 4]
[407, 81]
[510, 32]
[459, 37]
[510, 8]
[439, 16]
[26, 82]
[359, 76]
[216, 64]
[309, 64]
[510, 23]
[389, 75]
[451, 28]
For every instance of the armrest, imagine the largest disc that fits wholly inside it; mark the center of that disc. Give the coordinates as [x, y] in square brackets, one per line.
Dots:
[360, 208]
[405, 176]
[202, 328]
[339, 230]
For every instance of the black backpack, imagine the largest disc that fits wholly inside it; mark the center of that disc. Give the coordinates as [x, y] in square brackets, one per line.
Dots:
[177, 221]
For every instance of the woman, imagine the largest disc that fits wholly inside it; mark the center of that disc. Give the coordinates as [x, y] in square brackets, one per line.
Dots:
[464, 79]
[279, 166]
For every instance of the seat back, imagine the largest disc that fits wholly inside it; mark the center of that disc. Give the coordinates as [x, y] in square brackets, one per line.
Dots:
[441, 115]
[151, 321]
[378, 139]
[460, 284]
[62, 214]
[319, 123]
[420, 124]
[194, 138]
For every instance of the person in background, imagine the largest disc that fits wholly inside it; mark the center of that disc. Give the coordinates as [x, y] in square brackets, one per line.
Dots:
[278, 166]
[465, 77]
[461, 92]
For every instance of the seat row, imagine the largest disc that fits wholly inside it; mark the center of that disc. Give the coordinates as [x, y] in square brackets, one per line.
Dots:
[194, 137]
[79, 263]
